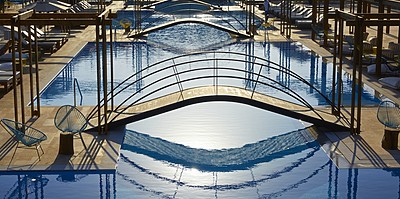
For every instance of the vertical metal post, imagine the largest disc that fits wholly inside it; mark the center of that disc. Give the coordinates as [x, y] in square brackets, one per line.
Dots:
[111, 68]
[379, 43]
[358, 64]
[341, 29]
[21, 70]
[98, 75]
[281, 11]
[325, 22]
[289, 25]
[37, 73]
[389, 10]
[247, 16]
[335, 36]
[359, 82]
[104, 55]
[13, 23]
[314, 17]
[30, 72]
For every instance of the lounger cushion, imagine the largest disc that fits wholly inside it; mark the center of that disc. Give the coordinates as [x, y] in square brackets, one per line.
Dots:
[384, 69]
[9, 56]
[7, 66]
[392, 82]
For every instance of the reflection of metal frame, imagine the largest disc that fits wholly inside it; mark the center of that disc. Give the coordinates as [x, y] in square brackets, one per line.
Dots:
[226, 160]
[33, 184]
[215, 186]
[27, 185]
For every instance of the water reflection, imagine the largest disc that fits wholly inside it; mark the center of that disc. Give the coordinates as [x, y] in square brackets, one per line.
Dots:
[225, 160]
[46, 184]
[305, 174]
[129, 58]
[27, 186]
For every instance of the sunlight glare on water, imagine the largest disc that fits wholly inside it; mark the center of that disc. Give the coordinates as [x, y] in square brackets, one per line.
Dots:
[216, 125]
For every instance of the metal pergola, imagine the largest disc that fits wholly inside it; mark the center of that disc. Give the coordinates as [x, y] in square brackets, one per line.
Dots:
[31, 18]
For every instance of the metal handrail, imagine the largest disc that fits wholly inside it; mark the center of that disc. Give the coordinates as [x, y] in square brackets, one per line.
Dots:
[76, 85]
[205, 11]
[264, 63]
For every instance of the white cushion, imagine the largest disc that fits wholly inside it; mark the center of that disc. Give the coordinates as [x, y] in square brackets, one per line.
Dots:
[392, 82]
[7, 66]
[384, 69]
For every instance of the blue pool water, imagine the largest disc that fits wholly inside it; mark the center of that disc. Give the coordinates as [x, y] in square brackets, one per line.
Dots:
[233, 19]
[208, 150]
[168, 160]
[130, 58]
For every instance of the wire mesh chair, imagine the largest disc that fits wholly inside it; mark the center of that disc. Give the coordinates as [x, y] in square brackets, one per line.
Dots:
[389, 114]
[70, 120]
[27, 135]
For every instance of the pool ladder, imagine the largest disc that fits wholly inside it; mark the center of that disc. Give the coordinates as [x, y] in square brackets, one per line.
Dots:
[76, 85]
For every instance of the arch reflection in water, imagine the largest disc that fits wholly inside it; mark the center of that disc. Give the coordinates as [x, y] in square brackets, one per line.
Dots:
[58, 184]
[27, 186]
[224, 160]
[300, 173]
[228, 170]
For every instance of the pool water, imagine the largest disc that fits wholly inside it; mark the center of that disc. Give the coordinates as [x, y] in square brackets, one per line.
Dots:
[242, 157]
[149, 18]
[208, 150]
[129, 58]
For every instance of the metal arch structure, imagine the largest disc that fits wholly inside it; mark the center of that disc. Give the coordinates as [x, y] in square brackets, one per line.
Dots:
[122, 114]
[250, 17]
[189, 20]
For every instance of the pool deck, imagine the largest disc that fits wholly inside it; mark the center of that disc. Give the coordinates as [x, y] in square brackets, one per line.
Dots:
[101, 152]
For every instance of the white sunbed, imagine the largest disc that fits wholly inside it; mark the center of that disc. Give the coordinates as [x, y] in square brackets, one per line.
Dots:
[392, 82]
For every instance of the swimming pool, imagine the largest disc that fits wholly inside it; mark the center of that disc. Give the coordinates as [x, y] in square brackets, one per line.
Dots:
[251, 163]
[130, 58]
[208, 150]
[233, 19]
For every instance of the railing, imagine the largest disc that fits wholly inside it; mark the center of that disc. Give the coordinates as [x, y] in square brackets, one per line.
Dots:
[76, 85]
[217, 67]
[162, 15]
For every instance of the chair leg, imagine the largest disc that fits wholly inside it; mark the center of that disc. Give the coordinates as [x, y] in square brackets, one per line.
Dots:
[41, 148]
[16, 148]
[37, 151]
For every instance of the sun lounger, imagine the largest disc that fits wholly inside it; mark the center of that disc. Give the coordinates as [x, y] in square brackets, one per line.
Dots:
[305, 23]
[392, 52]
[46, 46]
[58, 41]
[6, 66]
[391, 82]
[6, 79]
[9, 73]
[386, 69]
[40, 34]
[6, 82]
[7, 58]
[4, 46]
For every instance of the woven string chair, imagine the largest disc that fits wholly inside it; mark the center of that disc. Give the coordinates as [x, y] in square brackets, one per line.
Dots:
[70, 120]
[389, 114]
[27, 135]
